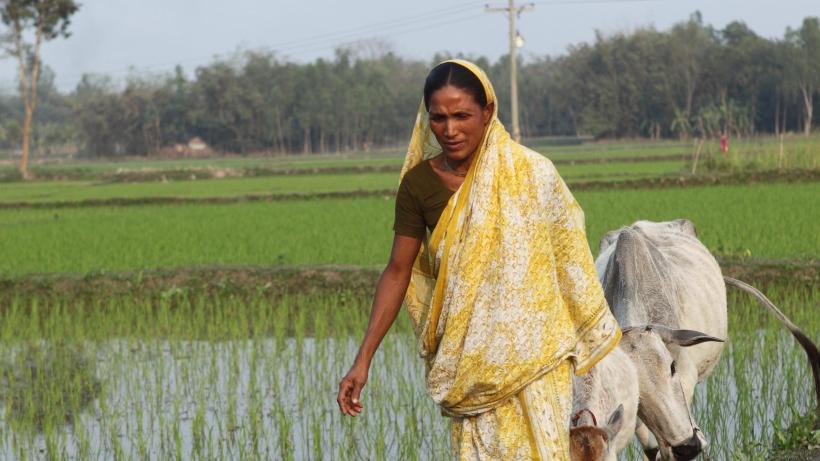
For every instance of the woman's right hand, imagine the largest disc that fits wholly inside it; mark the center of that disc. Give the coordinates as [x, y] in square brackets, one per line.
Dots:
[386, 304]
[350, 389]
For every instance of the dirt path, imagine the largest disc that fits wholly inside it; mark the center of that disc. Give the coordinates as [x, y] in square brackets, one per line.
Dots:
[137, 201]
[275, 281]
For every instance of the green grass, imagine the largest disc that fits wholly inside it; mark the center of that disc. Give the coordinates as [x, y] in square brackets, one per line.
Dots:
[56, 191]
[193, 376]
[98, 166]
[188, 375]
[59, 191]
[763, 221]
[798, 152]
[616, 171]
[760, 221]
[614, 150]
[745, 149]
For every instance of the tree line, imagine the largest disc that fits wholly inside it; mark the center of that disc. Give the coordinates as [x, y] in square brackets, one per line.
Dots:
[691, 80]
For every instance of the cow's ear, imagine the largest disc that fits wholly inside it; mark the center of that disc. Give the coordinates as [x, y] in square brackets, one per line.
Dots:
[607, 240]
[683, 338]
[615, 421]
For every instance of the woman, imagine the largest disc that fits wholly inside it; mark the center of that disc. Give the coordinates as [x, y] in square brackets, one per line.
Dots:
[491, 258]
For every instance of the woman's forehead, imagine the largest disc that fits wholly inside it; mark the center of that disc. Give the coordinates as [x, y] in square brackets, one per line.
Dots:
[450, 98]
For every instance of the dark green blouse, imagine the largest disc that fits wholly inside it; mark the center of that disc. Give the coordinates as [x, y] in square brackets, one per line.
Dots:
[420, 201]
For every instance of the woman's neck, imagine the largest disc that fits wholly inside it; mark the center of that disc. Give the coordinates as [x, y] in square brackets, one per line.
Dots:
[459, 167]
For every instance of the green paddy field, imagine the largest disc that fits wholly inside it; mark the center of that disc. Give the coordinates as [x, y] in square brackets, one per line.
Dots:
[220, 371]
[745, 221]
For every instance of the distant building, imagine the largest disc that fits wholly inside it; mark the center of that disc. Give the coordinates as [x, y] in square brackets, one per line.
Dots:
[195, 147]
[197, 144]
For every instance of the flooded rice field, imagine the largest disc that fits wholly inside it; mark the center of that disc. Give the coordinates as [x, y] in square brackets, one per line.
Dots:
[225, 378]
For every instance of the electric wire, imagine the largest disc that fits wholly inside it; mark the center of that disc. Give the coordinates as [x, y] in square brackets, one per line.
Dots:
[392, 27]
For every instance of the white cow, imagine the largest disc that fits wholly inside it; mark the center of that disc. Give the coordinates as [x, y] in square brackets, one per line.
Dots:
[667, 291]
[612, 389]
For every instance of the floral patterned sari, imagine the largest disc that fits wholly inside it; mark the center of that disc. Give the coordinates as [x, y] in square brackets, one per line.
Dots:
[505, 300]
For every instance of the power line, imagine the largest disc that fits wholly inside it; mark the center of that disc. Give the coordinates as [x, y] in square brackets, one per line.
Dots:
[394, 27]
[390, 23]
[513, 12]
[393, 33]
[587, 2]
[326, 40]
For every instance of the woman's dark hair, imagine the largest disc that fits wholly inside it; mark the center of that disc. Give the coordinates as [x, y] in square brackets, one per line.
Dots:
[450, 73]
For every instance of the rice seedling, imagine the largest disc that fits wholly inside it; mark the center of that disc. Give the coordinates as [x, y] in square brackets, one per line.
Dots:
[607, 149]
[763, 154]
[757, 221]
[66, 191]
[72, 191]
[216, 377]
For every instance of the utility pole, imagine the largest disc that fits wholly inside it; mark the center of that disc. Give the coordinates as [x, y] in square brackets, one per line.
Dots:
[515, 41]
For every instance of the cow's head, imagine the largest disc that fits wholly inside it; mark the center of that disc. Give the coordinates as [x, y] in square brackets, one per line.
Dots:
[663, 405]
[588, 442]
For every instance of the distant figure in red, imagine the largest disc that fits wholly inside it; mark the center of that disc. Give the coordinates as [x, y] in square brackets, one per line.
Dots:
[724, 143]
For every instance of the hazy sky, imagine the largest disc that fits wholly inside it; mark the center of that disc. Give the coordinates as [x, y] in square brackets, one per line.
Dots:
[111, 36]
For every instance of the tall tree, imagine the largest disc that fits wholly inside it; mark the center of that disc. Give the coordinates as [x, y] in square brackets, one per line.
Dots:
[691, 45]
[805, 67]
[47, 19]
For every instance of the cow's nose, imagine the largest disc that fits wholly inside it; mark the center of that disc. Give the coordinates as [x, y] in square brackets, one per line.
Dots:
[687, 450]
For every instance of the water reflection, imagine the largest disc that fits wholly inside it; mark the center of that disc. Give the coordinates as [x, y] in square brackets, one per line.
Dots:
[274, 398]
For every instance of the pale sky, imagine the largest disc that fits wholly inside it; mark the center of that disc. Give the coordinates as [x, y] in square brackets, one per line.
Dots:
[111, 36]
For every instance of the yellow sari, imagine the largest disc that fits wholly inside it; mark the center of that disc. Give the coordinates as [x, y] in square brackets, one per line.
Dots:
[505, 300]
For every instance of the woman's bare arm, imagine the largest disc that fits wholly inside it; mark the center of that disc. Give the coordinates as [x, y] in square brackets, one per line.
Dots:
[386, 304]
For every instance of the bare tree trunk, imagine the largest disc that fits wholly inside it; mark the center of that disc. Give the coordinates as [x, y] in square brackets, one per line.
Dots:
[29, 98]
[306, 141]
[808, 108]
[280, 142]
[338, 140]
[696, 155]
[785, 117]
[146, 140]
[777, 116]
[321, 140]
[574, 123]
[354, 136]
[26, 146]
[158, 133]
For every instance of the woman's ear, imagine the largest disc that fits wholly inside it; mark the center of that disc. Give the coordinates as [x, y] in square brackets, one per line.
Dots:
[488, 112]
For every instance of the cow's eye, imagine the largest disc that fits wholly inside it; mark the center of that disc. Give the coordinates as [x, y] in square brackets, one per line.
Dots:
[673, 367]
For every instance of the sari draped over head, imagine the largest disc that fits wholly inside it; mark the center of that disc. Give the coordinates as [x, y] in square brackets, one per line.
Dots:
[504, 298]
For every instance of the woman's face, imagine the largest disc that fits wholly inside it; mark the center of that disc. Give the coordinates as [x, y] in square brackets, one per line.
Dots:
[458, 121]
